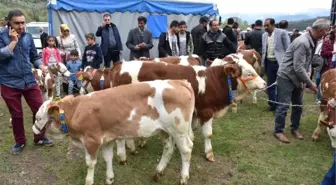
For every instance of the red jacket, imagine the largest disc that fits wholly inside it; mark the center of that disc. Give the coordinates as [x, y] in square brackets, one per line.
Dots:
[46, 53]
[326, 51]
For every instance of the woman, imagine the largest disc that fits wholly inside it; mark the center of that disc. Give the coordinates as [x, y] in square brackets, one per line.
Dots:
[329, 50]
[67, 42]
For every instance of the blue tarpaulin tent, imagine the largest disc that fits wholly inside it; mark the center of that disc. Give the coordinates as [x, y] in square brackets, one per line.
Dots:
[84, 16]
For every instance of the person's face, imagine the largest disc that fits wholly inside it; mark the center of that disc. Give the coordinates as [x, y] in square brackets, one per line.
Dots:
[73, 57]
[322, 33]
[268, 27]
[183, 28]
[51, 42]
[107, 20]
[214, 26]
[18, 23]
[141, 25]
[65, 32]
[175, 29]
[90, 41]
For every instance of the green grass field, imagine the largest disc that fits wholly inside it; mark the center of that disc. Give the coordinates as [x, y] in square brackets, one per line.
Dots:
[246, 154]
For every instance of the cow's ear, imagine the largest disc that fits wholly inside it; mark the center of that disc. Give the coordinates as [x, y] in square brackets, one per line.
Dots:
[232, 70]
[53, 109]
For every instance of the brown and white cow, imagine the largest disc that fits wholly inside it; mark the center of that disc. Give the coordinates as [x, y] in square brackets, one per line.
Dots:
[210, 85]
[179, 60]
[327, 108]
[97, 119]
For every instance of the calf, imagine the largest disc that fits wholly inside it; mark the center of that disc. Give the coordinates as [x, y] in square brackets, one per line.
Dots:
[327, 108]
[179, 60]
[46, 83]
[211, 85]
[135, 110]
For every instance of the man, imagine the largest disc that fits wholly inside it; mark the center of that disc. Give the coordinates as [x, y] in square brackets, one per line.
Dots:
[43, 37]
[230, 33]
[169, 42]
[215, 43]
[4, 23]
[274, 44]
[17, 47]
[139, 40]
[295, 34]
[186, 43]
[293, 74]
[254, 37]
[283, 24]
[110, 41]
[197, 32]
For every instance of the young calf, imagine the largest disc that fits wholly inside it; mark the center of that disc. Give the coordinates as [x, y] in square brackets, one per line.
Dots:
[136, 110]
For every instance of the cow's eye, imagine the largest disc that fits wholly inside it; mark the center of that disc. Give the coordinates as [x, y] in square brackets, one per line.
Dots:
[249, 75]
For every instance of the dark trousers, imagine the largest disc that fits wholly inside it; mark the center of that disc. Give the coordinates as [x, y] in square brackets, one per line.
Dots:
[271, 72]
[12, 98]
[287, 93]
[113, 55]
[329, 178]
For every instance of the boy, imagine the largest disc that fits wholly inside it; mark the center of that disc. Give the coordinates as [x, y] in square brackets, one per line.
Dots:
[92, 53]
[74, 65]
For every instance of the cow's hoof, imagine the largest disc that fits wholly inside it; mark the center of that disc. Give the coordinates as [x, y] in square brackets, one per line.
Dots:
[123, 163]
[142, 144]
[184, 181]
[157, 176]
[109, 181]
[234, 109]
[210, 158]
[134, 152]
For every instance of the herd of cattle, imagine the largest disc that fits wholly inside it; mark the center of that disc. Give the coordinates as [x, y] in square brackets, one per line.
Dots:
[136, 99]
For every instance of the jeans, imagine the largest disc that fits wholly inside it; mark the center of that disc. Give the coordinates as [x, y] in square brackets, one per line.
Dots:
[12, 98]
[271, 72]
[287, 93]
[72, 83]
[329, 178]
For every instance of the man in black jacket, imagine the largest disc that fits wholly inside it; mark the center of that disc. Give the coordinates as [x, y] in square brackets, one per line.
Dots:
[43, 38]
[254, 38]
[197, 32]
[230, 33]
[169, 42]
[216, 44]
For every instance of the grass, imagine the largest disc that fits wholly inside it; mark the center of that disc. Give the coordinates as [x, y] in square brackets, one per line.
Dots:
[246, 154]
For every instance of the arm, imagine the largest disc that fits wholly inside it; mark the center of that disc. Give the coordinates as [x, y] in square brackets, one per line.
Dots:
[203, 47]
[58, 55]
[6, 51]
[299, 60]
[229, 45]
[129, 41]
[99, 31]
[191, 46]
[34, 57]
[247, 39]
[263, 42]
[285, 40]
[150, 44]
[161, 44]
[99, 56]
[119, 39]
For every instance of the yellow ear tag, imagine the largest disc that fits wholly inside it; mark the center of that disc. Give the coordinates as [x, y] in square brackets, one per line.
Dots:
[80, 77]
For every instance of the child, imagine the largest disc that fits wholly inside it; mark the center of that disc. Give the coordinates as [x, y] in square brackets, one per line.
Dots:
[50, 56]
[92, 53]
[74, 65]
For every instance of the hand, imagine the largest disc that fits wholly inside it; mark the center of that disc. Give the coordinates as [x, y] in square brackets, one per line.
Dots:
[13, 35]
[102, 25]
[142, 45]
[137, 47]
[313, 87]
[334, 52]
[43, 68]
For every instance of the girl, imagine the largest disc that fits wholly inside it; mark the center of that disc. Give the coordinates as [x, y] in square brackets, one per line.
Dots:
[51, 56]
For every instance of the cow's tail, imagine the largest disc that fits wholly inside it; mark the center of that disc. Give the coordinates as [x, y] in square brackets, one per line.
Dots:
[188, 86]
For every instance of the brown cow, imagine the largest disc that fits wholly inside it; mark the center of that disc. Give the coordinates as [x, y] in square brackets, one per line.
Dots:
[179, 60]
[97, 119]
[327, 108]
[210, 85]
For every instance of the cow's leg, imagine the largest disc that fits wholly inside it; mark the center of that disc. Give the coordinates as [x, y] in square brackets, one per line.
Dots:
[254, 97]
[317, 131]
[121, 151]
[91, 149]
[234, 106]
[207, 133]
[130, 144]
[168, 150]
[185, 146]
[143, 142]
[108, 157]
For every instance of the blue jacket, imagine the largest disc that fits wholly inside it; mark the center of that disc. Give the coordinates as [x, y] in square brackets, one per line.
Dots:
[15, 67]
[104, 34]
[74, 67]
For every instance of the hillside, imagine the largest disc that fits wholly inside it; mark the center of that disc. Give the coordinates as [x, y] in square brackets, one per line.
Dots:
[302, 24]
[35, 10]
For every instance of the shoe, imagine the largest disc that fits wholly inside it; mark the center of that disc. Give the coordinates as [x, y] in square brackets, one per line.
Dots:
[44, 141]
[17, 148]
[281, 137]
[271, 109]
[297, 135]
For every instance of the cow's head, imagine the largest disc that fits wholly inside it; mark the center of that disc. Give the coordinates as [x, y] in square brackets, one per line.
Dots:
[249, 79]
[330, 121]
[59, 69]
[38, 74]
[48, 119]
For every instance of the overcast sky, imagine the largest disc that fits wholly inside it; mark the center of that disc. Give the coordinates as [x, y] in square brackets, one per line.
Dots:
[269, 6]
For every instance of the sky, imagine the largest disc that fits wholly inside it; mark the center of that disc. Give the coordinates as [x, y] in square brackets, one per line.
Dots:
[269, 6]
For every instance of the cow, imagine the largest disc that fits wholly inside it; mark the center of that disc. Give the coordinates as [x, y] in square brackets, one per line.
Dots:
[97, 119]
[179, 60]
[46, 83]
[327, 107]
[211, 85]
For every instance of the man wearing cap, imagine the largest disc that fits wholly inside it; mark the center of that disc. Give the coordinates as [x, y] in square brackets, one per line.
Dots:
[110, 41]
[293, 74]
[196, 33]
[17, 53]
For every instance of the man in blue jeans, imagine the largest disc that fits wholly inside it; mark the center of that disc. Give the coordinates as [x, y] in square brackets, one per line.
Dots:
[330, 177]
[293, 73]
